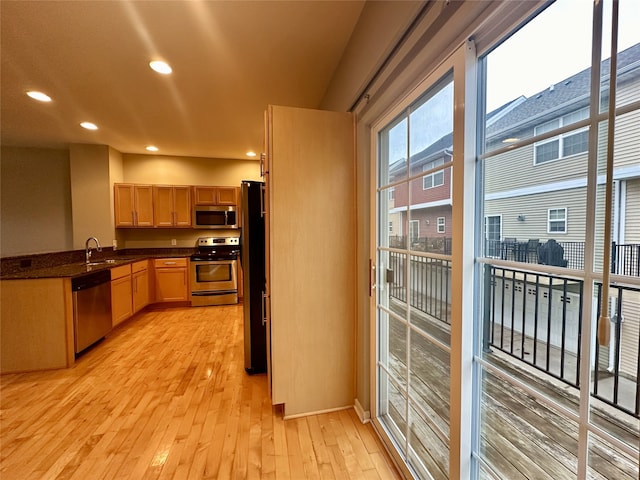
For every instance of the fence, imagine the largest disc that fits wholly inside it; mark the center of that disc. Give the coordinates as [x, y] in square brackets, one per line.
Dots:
[537, 319]
[625, 259]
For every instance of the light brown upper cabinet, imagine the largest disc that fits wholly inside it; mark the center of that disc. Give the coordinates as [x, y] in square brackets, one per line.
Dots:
[172, 206]
[133, 205]
[204, 195]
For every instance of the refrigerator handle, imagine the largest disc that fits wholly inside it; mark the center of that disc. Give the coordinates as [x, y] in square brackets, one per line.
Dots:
[263, 157]
[262, 210]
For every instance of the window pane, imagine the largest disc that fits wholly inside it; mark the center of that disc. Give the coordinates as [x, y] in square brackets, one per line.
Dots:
[547, 127]
[393, 217]
[429, 453]
[429, 381]
[628, 49]
[575, 116]
[522, 436]
[393, 152]
[608, 461]
[537, 70]
[547, 151]
[431, 126]
[575, 143]
[392, 407]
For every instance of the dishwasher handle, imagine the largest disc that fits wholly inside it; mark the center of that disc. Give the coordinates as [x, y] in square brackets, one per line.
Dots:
[90, 280]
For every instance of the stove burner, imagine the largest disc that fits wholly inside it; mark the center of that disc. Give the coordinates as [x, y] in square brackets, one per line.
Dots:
[216, 248]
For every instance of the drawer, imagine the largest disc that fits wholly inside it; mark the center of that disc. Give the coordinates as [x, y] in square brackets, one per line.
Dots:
[170, 262]
[139, 266]
[121, 271]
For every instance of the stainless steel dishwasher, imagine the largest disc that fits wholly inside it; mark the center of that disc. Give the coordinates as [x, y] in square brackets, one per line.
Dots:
[91, 308]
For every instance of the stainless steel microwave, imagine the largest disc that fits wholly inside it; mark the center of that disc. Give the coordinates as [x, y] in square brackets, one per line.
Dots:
[212, 216]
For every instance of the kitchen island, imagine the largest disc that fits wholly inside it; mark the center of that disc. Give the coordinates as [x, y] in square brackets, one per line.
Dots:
[36, 308]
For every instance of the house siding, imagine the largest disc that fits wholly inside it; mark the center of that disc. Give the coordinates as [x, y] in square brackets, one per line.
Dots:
[515, 169]
[535, 210]
[626, 150]
[632, 220]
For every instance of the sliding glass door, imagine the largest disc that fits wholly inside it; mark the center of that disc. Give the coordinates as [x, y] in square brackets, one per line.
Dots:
[415, 185]
[507, 255]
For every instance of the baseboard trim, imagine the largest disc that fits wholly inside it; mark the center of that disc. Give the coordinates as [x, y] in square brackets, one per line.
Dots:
[363, 415]
[319, 412]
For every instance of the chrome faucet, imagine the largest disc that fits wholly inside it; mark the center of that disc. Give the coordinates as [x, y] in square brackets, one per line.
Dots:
[87, 249]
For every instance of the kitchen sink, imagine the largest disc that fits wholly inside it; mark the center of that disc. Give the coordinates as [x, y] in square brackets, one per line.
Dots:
[100, 262]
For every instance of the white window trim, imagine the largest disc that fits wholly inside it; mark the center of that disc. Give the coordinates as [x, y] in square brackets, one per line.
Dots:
[414, 225]
[431, 166]
[549, 220]
[560, 139]
[441, 224]
[486, 224]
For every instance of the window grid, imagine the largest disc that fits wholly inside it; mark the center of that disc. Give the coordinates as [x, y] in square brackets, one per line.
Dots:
[564, 145]
[433, 179]
[557, 220]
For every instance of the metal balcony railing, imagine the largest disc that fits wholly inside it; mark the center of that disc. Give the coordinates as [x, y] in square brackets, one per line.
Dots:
[536, 318]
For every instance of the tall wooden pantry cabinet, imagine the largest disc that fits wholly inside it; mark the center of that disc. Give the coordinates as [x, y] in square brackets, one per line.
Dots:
[311, 235]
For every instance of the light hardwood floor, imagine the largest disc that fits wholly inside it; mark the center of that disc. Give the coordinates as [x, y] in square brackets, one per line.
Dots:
[166, 396]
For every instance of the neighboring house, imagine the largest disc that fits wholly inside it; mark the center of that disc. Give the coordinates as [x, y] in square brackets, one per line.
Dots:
[429, 197]
[539, 191]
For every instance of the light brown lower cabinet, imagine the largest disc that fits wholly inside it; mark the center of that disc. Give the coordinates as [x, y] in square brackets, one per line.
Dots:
[121, 305]
[171, 280]
[140, 285]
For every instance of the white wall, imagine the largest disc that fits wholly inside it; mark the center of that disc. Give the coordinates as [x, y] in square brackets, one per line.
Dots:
[91, 197]
[53, 200]
[35, 201]
[158, 169]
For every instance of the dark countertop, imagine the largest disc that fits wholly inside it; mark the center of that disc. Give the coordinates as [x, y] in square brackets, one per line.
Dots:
[77, 269]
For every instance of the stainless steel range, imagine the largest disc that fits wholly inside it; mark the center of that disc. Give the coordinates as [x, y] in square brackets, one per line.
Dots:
[213, 271]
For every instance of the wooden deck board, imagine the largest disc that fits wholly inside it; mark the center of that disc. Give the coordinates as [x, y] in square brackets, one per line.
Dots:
[521, 437]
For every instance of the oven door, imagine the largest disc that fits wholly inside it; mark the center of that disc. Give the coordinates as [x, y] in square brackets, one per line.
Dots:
[213, 275]
[213, 282]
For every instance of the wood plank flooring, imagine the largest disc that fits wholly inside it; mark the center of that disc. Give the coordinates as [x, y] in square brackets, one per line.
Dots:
[165, 396]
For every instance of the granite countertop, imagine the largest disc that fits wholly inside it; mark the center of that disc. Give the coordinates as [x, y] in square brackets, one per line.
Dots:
[78, 269]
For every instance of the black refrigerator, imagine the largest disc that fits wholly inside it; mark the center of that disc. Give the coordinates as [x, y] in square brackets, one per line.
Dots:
[254, 279]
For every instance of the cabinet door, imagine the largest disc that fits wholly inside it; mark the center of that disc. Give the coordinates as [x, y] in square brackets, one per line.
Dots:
[143, 195]
[121, 305]
[124, 205]
[312, 338]
[205, 195]
[227, 195]
[163, 206]
[140, 290]
[171, 280]
[182, 206]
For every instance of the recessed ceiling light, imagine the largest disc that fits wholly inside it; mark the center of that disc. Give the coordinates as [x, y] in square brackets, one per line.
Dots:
[89, 125]
[160, 67]
[251, 154]
[41, 97]
[510, 140]
[152, 148]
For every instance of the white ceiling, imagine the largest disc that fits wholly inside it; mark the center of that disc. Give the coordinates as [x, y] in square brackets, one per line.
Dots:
[230, 60]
